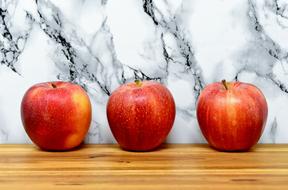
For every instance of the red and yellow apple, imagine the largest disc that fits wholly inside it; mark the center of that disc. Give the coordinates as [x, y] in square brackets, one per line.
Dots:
[141, 114]
[56, 115]
[231, 115]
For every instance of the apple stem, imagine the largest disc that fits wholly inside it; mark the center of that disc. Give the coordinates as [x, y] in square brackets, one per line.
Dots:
[225, 84]
[53, 85]
[138, 82]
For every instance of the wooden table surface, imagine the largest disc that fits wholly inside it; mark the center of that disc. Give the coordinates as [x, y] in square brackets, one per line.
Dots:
[170, 167]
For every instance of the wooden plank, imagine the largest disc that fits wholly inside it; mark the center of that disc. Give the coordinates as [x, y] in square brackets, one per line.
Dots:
[169, 167]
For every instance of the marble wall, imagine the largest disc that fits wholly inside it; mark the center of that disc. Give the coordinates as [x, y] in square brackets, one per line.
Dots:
[185, 44]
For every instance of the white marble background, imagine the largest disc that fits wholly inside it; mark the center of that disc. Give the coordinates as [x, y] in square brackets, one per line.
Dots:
[101, 44]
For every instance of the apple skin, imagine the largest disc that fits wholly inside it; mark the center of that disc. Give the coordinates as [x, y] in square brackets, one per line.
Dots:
[56, 115]
[232, 119]
[140, 115]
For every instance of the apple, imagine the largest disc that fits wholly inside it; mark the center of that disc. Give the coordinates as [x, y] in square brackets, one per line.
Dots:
[232, 115]
[140, 115]
[56, 115]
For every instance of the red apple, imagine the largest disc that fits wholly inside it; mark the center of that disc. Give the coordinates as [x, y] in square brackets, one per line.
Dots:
[56, 115]
[141, 114]
[232, 115]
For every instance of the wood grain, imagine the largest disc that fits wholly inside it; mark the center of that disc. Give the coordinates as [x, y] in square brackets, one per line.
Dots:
[170, 167]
